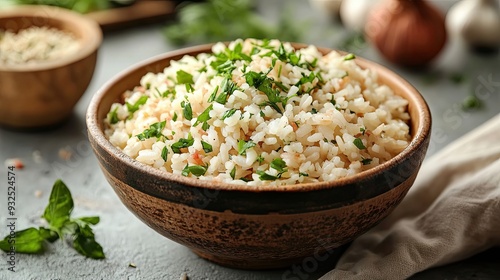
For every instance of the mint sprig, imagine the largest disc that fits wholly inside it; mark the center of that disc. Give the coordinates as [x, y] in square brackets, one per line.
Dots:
[61, 226]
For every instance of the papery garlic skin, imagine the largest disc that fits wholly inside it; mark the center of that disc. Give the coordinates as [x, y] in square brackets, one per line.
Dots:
[353, 13]
[476, 22]
[407, 32]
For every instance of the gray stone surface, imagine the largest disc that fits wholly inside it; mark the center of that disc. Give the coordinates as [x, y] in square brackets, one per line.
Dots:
[127, 240]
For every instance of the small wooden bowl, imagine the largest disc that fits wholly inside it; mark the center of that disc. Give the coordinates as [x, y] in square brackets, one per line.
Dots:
[35, 96]
[257, 227]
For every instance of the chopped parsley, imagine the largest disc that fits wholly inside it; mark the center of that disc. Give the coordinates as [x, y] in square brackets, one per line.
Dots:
[184, 77]
[265, 84]
[134, 107]
[113, 116]
[362, 130]
[279, 165]
[154, 130]
[366, 161]
[359, 143]
[206, 147]
[227, 88]
[174, 118]
[205, 126]
[228, 113]
[196, 170]
[204, 116]
[182, 143]
[211, 98]
[350, 56]
[303, 174]
[187, 111]
[244, 145]
[233, 172]
[164, 153]
[263, 176]
[260, 159]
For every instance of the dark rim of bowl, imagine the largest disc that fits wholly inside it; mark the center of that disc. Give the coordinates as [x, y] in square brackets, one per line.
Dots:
[92, 34]
[415, 98]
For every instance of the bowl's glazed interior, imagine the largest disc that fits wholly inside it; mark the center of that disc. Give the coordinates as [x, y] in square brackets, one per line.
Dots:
[257, 227]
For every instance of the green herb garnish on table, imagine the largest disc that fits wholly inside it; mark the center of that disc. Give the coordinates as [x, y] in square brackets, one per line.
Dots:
[61, 226]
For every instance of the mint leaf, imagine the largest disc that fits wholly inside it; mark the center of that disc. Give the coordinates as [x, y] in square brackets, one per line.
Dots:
[204, 116]
[94, 220]
[26, 241]
[85, 244]
[60, 206]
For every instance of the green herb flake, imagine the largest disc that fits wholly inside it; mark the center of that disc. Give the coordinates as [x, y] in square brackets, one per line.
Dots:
[164, 153]
[212, 96]
[187, 111]
[244, 145]
[113, 116]
[350, 56]
[196, 170]
[359, 143]
[206, 147]
[174, 118]
[471, 103]
[263, 176]
[366, 161]
[205, 126]
[227, 88]
[134, 107]
[182, 143]
[303, 174]
[204, 116]
[362, 130]
[154, 130]
[184, 77]
[279, 164]
[233, 172]
[228, 113]
[260, 159]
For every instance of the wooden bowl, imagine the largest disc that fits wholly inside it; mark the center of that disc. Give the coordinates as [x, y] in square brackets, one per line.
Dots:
[44, 94]
[257, 227]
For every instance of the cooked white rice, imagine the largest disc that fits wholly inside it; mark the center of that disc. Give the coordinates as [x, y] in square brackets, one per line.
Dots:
[35, 45]
[313, 118]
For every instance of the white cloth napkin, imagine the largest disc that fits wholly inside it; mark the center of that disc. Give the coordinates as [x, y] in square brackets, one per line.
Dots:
[451, 212]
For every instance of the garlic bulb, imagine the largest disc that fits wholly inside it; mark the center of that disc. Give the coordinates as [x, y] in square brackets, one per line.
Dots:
[353, 13]
[477, 22]
[407, 32]
[330, 7]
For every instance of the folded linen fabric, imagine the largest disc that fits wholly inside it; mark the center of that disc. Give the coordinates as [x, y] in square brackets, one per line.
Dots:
[451, 212]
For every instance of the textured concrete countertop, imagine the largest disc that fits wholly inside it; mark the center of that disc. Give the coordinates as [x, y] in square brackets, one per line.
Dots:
[127, 240]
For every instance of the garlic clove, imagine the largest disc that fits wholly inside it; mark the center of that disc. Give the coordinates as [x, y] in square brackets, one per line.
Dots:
[407, 33]
[477, 22]
[353, 13]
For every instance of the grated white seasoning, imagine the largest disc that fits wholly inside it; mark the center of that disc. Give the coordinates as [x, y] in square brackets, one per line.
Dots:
[281, 117]
[35, 45]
